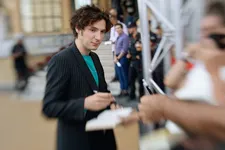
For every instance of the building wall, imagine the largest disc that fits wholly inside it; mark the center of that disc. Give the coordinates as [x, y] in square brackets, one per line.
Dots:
[36, 43]
[12, 9]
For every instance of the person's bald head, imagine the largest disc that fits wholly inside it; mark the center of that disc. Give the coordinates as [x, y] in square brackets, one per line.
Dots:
[113, 12]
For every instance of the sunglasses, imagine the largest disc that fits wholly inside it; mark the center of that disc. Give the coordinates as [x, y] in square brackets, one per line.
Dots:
[218, 39]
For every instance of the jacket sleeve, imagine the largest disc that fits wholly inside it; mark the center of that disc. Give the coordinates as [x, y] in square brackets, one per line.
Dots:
[55, 103]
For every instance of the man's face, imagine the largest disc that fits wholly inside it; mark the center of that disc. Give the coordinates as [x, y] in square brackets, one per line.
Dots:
[113, 19]
[119, 30]
[92, 35]
[131, 30]
[20, 41]
[113, 16]
[209, 24]
[138, 46]
[113, 12]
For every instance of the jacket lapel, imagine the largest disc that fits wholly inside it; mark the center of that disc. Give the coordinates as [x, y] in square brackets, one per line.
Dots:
[98, 69]
[84, 68]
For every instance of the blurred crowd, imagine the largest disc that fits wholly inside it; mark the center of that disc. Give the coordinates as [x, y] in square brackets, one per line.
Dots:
[127, 55]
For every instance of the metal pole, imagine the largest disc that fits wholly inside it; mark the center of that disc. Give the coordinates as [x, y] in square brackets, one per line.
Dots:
[187, 12]
[158, 50]
[156, 87]
[179, 28]
[163, 55]
[159, 16]
[144, 26]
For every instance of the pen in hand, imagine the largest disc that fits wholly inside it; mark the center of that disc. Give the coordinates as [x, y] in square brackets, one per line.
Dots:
[147, 87]
[113, 102]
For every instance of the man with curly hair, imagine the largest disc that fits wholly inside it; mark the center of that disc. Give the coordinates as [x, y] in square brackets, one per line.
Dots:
[76, 90]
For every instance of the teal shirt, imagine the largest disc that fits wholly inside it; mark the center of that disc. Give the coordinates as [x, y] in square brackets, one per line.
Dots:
[91, 67]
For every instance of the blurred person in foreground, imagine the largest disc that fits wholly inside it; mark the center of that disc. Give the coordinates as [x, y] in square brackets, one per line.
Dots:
[76, 90]
[19, 55]
[197, 118]
[214, 19]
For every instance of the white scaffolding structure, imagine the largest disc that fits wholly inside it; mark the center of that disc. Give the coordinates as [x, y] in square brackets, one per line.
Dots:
[172, 35]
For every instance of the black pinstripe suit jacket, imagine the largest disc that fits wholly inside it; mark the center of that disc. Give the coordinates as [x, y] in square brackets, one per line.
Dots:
[69, 81]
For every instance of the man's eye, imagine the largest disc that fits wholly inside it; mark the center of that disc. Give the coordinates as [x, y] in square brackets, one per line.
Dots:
[92, 30]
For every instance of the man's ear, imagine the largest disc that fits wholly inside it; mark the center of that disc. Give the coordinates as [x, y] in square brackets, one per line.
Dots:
[77, 30]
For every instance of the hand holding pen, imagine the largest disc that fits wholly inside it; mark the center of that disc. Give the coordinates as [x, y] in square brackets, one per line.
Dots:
[98, 101]
[145, 84]
[113, 104]
[150, 108]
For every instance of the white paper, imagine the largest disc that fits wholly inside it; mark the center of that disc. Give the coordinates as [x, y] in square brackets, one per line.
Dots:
[118, 64]
[108, 43]
[108, 119]
[198, 86]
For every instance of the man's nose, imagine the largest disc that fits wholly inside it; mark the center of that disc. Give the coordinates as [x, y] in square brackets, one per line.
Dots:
[98, 36]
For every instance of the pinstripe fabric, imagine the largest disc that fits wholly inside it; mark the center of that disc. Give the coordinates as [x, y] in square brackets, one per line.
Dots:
[69, 81]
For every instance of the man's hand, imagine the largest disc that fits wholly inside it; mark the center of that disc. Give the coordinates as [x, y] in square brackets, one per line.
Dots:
[138, 57]
[151, 108]
[115, 60]
[176, 75]
[202, 51]
[128, 56]
[98, 101]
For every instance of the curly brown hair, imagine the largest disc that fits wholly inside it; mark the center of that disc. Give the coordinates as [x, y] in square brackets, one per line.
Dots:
[88, 15]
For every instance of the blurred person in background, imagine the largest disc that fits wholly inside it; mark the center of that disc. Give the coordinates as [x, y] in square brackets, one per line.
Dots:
[158, 73]
[116, 4]
[130, 10]
[120, 59]
[19, 55]
[114, 35]
[134, 55]
[159, 32]
[76, 90]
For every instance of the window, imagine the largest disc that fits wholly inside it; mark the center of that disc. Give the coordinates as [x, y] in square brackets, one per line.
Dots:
[41, 16]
